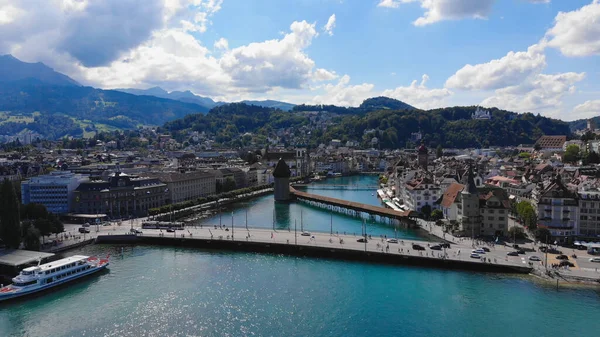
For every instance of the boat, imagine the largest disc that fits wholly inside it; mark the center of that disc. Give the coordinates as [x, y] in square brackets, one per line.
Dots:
[42, 277]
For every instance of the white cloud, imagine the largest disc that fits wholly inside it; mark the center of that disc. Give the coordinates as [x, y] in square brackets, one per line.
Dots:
[418, 95]
[9, 13]
[506, 71]
[221, 44]
[588, 109]
[273, 63]
[577, 33]
[343, 94]
[324, 75]
[543, 93]
[440, 10]
[328, 28]
[539, 1]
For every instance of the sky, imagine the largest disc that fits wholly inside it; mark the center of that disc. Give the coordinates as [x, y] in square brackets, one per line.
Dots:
[539, 56]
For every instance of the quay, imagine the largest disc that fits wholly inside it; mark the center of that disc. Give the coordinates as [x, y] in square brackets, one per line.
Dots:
[324, 245]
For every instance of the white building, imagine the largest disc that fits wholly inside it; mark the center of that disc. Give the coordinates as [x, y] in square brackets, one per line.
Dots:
[481, 114]
[55, 190]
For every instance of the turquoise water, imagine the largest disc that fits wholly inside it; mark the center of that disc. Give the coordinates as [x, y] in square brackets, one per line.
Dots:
[153, 291]
[160, 291]
[260, 212]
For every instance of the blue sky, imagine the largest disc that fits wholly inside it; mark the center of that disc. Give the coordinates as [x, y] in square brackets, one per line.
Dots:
[522, 55]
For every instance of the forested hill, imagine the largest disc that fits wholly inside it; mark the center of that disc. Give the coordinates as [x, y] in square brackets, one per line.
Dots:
[450, 127]
[109, 107]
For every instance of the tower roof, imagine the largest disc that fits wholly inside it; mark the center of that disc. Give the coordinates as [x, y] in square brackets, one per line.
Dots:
[470, 188]
[422, 149]
[282, 170]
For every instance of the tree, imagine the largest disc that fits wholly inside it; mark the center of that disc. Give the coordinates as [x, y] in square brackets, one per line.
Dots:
[571, 154]
[426, 211]
[526, 213]
[10, 228]
[543, 234]
[436, 215]
[516, 232]
[229, 185]
[439, 151]
[31, 240]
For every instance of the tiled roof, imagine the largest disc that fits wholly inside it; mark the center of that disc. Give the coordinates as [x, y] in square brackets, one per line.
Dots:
[551, 141]
[451, 193]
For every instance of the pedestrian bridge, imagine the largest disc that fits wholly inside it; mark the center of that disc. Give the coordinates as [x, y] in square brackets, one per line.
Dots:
[351, 207]
[340, 186]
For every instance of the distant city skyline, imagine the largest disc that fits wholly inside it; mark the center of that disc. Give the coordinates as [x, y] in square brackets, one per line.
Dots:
[539, 56]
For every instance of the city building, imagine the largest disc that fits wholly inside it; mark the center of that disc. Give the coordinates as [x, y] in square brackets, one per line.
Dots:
[551, 143]
[188, 186]
[120, 196]
[54, 190]
[557, 209]
[481, 114]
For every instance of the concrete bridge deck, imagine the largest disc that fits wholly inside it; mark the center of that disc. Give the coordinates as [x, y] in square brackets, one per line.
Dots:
[325, 245]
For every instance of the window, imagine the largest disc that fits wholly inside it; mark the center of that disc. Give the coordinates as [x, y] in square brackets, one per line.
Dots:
[501, 211]
[491, 211]
[501, 218]
[490, 218]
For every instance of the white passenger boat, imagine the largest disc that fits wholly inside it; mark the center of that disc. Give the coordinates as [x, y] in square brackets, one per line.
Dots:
[35, 279]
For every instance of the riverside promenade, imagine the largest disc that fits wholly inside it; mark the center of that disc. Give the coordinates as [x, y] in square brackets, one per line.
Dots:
[326, 245]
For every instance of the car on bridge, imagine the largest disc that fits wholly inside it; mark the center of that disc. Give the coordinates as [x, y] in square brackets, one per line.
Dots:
[305, 234]
[513, 253]
[436, 247]
[392, 240]
[362, 240]
[562, 257]
[475, 256]
[417, 247]
[478, 251]
[595, 259]
[534, 258]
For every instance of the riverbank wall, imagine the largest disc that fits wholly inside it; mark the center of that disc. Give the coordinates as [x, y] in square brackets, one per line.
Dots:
[312, 251]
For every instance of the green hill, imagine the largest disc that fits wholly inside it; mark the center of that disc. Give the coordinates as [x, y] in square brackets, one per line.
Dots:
[449, 127]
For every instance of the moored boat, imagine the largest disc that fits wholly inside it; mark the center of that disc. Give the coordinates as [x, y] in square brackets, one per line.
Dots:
[41, 277]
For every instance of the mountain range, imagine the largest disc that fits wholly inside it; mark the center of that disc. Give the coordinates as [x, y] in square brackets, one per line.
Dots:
[35, 97]
[190, 97]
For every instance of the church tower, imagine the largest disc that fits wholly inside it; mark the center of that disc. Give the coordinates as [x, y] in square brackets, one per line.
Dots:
[422, 156]
[470, 217]
[282, 174]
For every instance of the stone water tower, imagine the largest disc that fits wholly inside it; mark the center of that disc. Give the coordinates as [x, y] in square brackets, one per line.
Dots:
[282, 174]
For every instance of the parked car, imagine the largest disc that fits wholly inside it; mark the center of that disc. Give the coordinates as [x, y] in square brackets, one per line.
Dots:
[475, 256]
[534, 258]
[562, 257]
[478, 251]
[514, 253]
[392, 240]
[436, 247]
[595, 259]
[84, 230]
[566, 263]
[418, 247]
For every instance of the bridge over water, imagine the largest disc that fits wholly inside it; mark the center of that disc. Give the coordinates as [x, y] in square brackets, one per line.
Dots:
[354, 208]
[355, 187]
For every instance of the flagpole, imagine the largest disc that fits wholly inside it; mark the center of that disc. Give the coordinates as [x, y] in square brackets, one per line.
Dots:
[231, 225]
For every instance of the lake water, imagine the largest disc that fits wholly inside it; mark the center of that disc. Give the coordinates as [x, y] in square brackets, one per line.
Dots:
[161, 291]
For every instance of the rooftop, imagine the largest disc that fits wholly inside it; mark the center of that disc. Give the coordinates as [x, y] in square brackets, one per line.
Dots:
[19, 257]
